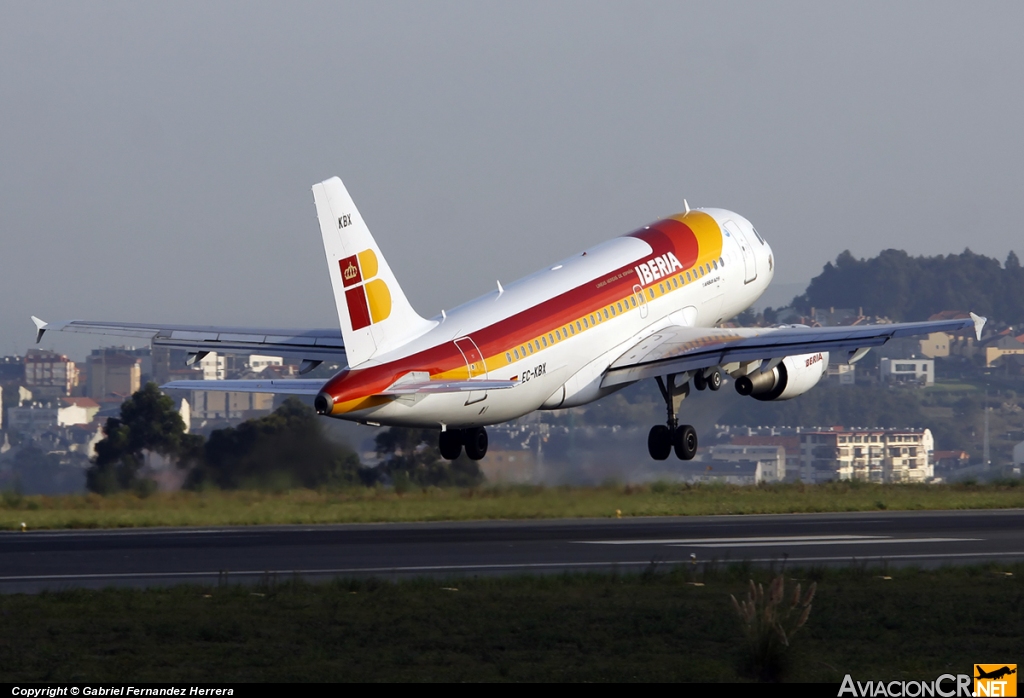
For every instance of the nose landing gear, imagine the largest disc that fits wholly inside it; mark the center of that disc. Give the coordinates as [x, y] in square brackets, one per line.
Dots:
[664, 438]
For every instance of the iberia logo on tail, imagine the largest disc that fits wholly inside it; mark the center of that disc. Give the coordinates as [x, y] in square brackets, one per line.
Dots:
[368, 298]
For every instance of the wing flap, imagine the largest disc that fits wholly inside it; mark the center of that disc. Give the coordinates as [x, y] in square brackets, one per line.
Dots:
[680, 349]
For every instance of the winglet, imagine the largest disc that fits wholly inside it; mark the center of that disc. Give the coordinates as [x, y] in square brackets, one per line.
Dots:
[979, 323]
[40, 328]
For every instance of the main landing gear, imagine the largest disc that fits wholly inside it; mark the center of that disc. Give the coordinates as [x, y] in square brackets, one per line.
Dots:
[672, 436]
[451, 442]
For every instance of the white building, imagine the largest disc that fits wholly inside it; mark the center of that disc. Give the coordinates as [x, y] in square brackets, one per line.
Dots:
[36, 418]
[1018, 457]
[257, 363]
[745, 472]
[845, 374]
[214, 367]
[908, 370]
[771, 460]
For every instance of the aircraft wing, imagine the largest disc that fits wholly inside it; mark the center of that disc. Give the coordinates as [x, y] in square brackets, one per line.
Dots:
[679, 349]
[313, 345]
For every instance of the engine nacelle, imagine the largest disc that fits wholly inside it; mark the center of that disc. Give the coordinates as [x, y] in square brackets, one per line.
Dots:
[794, 375]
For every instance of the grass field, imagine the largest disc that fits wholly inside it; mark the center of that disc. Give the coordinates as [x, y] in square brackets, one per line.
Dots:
[526, 502]
[675, 625]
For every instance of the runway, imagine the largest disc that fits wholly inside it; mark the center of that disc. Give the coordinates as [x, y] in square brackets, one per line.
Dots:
[33, 561]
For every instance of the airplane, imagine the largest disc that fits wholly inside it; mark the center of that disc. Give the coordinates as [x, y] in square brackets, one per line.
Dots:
[995, 674]
[648, 304]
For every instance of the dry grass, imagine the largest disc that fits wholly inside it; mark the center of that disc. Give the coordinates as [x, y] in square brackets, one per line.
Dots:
[216, 508]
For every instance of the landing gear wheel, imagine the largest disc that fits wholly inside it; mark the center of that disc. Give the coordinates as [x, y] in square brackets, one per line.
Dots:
[450, 444]
[685, 442]
[699, 381]
[475, 440]
[714, 381]
[659, 442]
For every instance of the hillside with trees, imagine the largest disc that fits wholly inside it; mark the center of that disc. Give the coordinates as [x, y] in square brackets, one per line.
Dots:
[907, 289]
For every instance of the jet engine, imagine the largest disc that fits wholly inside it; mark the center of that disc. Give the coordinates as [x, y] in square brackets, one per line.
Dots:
[793, 376]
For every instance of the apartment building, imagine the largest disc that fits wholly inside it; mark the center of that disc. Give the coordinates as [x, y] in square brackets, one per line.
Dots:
[875, 455]
[49, 374]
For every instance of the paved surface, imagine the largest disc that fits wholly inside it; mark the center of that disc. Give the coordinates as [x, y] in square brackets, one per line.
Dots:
[39, 560]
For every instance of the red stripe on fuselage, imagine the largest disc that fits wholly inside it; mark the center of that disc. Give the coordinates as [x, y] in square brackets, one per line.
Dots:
[544, 318]
[670, 234]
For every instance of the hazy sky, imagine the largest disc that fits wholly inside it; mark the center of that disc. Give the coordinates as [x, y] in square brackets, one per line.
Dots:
[156, 158]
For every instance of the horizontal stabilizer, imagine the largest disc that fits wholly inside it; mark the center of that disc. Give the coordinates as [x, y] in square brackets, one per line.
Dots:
[294, 386]
[430, 387]
[312, 345]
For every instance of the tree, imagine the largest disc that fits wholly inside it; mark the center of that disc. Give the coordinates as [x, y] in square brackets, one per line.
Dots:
[283, 450]
[148, 422]
[411, 456]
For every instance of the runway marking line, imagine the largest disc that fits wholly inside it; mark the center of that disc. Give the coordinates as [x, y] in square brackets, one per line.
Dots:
[765, 544]
[764, 541]
[528, 565]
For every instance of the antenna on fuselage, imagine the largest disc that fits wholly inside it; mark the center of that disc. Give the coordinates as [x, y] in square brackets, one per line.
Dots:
[500, 289]
[686, 206]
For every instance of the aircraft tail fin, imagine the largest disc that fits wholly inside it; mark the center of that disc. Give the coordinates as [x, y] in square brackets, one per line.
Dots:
[374, 313]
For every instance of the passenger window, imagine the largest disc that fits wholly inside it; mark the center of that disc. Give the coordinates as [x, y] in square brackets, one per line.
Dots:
[688, 276]
[606, 313]
[558, 334]
[530, 347]
[675, 282]
[633, 298]
[715, 262]
[721, 261]
[613, 311]
[592, 319]
[578, 328]
[619, 306]
[571, 330]
[517, 353]
[508, 357]
[650, 292]
[536, 344]
[585, 322]
[545, 340]
[661, 289]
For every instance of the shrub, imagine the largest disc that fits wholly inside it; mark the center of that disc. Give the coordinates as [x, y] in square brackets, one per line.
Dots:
[768, 623]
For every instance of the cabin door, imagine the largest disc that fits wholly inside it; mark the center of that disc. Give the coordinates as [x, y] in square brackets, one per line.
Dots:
[476, 367]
